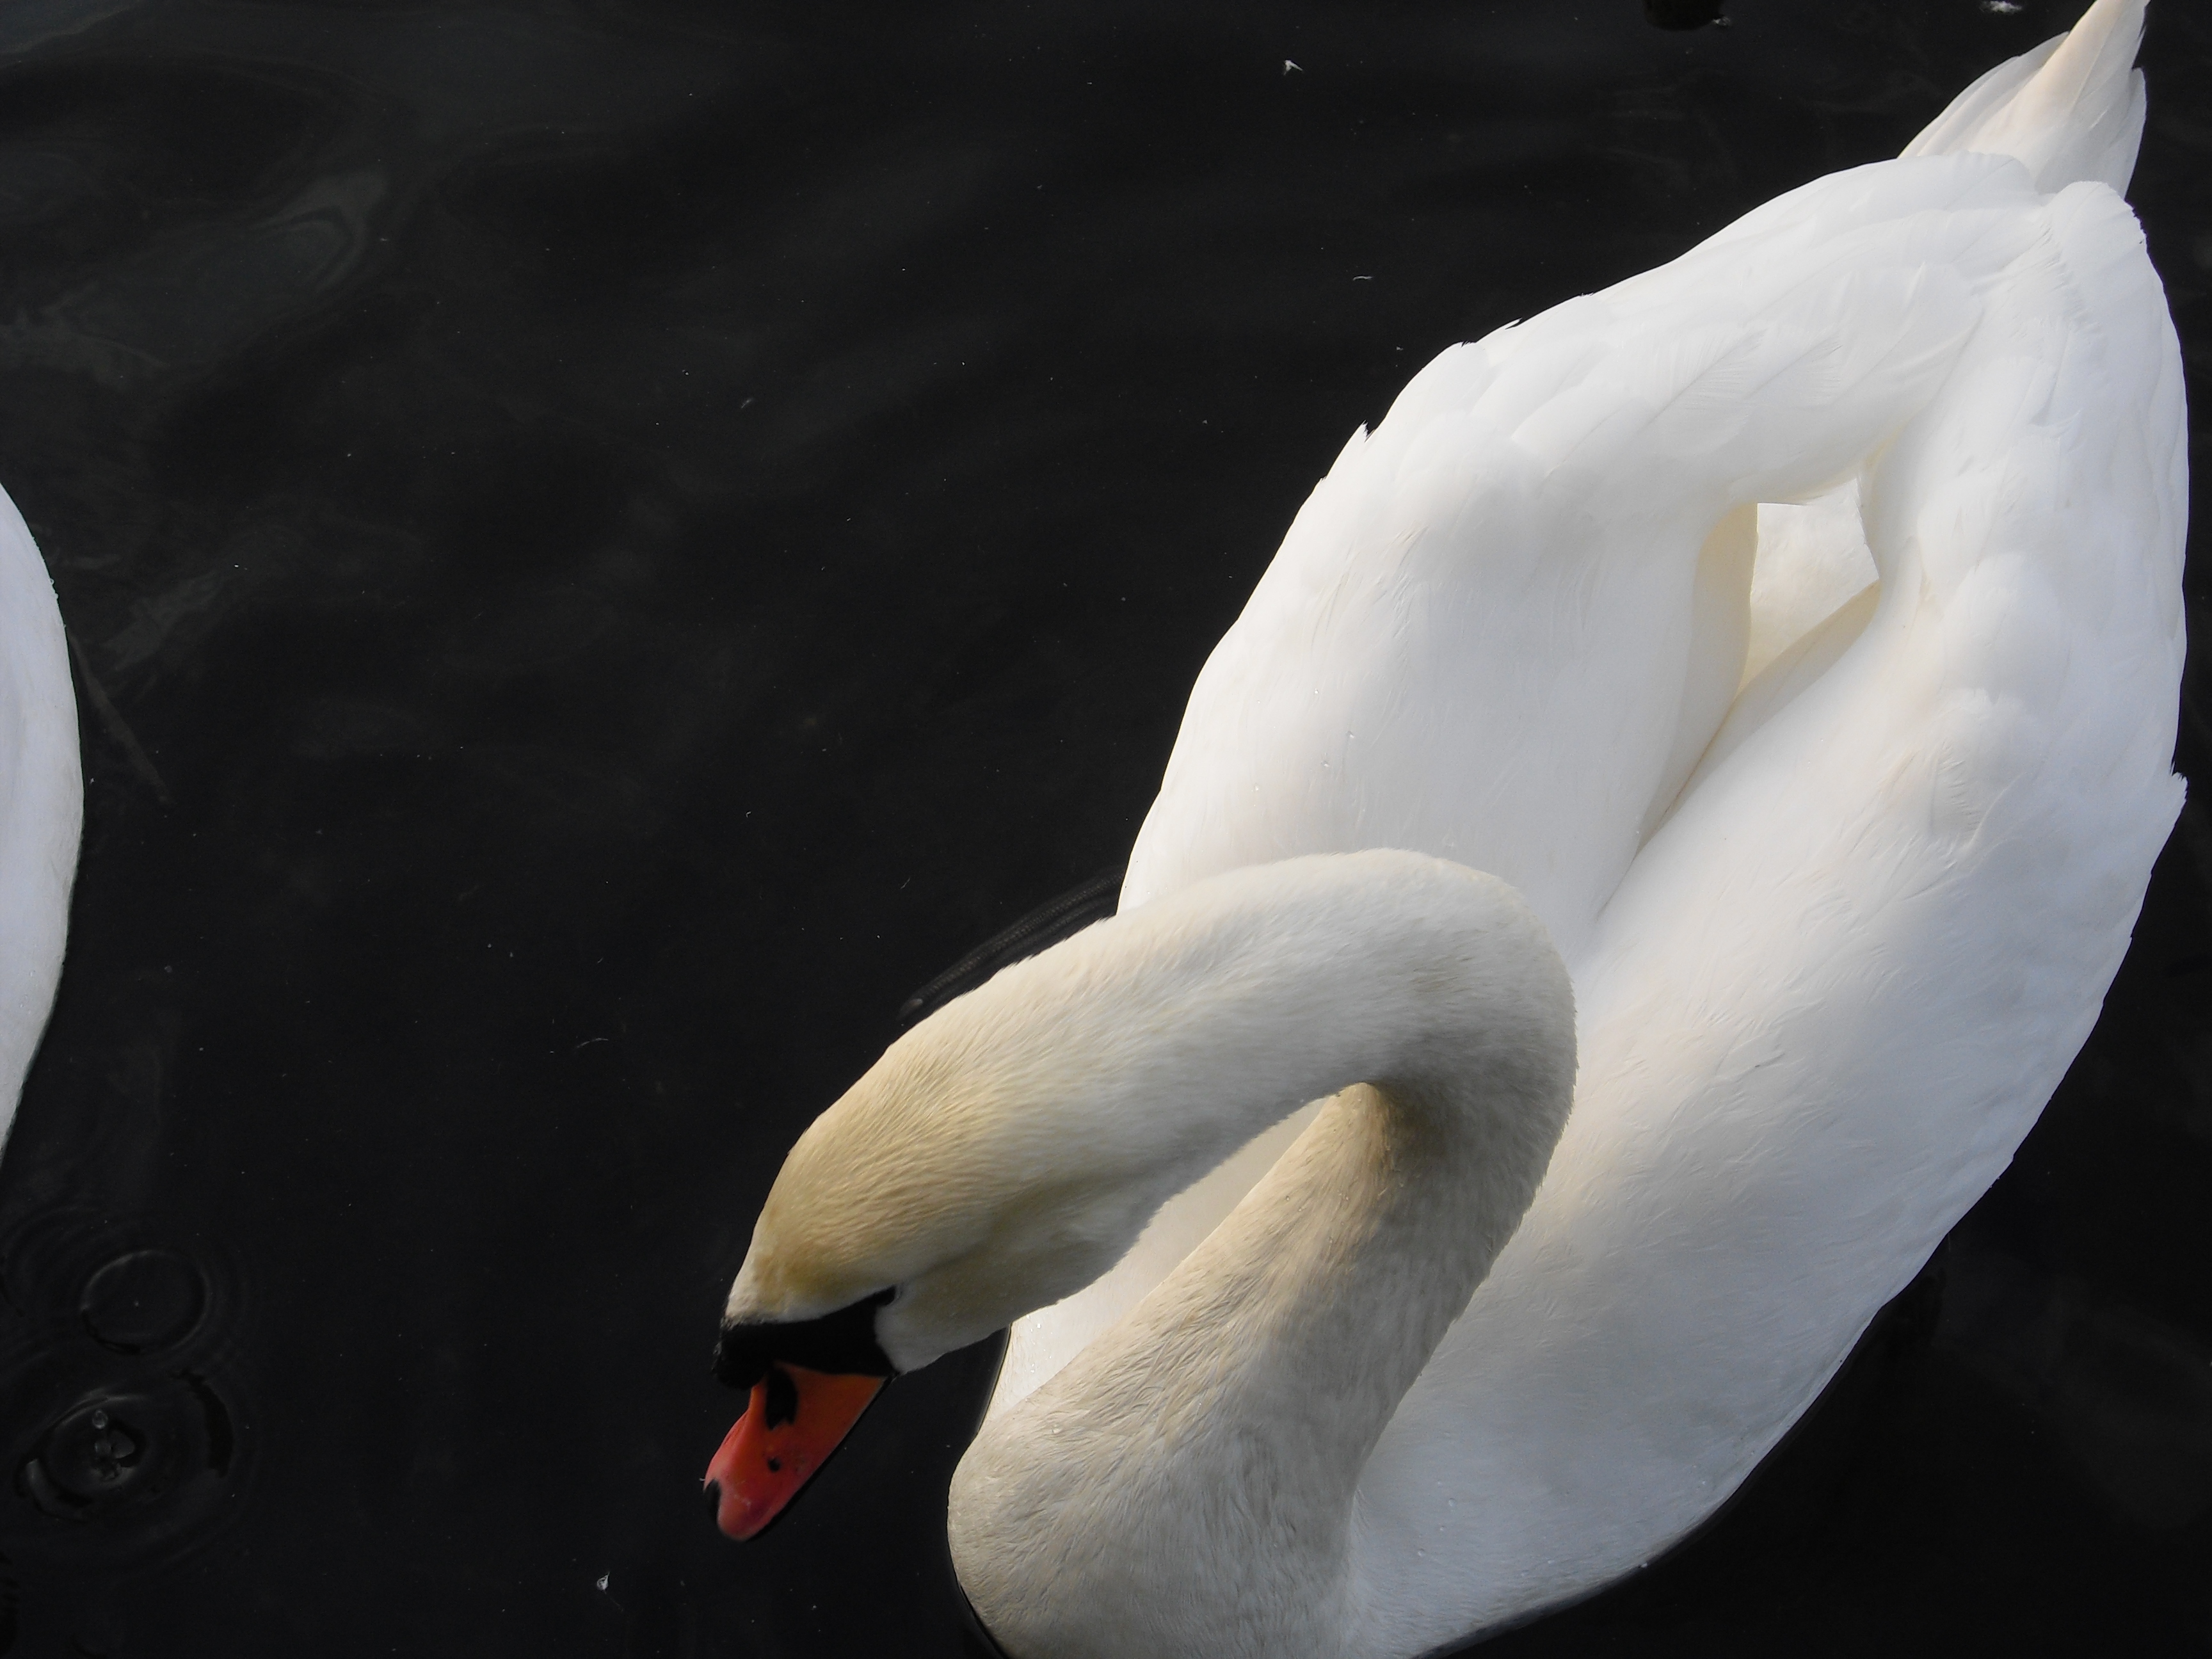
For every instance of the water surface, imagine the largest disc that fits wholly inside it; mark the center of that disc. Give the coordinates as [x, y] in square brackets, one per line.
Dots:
[608, 542]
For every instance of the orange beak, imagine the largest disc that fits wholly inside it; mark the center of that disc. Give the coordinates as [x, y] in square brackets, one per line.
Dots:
[792, 1423]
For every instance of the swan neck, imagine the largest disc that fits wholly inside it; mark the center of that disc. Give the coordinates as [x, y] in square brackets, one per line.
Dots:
[1235, 1406]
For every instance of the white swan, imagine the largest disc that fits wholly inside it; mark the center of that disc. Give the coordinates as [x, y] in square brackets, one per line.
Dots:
[41, 801]
[1835, 927]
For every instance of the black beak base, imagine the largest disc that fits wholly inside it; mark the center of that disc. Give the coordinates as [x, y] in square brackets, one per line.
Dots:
[843, 1343]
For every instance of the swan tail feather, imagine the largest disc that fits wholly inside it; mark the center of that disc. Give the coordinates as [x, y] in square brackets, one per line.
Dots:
[2071, 110]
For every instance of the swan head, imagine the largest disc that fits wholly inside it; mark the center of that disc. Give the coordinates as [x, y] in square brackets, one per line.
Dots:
[962, 1183]
[992, 1161]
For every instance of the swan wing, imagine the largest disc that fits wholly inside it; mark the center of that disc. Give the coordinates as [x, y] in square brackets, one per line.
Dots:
[1476, 639]
[1835, 990]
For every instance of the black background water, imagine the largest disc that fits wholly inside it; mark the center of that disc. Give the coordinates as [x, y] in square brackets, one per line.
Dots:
[608, 542]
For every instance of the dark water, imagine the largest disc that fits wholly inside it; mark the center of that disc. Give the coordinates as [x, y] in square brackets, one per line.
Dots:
[609, 543]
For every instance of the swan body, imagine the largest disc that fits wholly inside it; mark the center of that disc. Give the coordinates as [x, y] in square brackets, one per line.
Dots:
[1797, 628]
[41, 801]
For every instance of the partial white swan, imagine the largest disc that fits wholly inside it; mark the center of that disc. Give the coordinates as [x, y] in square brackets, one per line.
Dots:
[41, 801]
[1836, 919]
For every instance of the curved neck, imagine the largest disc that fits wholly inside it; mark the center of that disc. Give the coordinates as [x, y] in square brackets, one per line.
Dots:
[1186, 1482]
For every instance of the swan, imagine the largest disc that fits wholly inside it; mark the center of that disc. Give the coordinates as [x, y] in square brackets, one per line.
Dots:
[41, 801]
[1791, 637]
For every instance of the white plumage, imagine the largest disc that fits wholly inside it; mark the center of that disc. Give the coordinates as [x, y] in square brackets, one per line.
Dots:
[1841, 870]
[41, 801]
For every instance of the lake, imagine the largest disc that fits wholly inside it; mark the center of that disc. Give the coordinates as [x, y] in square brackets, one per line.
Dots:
[605, 543]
